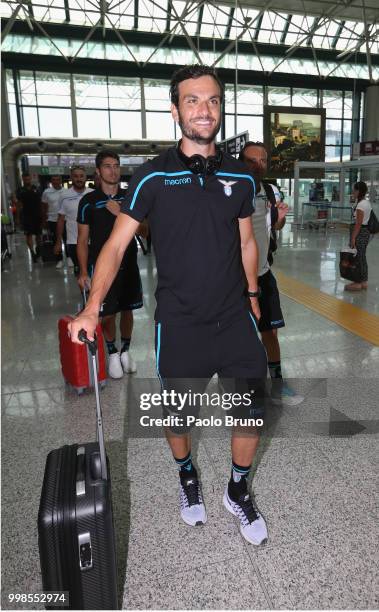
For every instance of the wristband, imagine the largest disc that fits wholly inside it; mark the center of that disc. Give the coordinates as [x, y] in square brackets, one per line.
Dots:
[254, 294]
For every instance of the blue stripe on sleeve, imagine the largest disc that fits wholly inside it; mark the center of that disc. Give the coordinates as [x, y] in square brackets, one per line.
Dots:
[149, 176]
[83, 209]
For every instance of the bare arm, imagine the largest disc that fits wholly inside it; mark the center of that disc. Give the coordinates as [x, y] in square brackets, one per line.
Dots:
[282, 212]
[60, 229]
[250, 255]
[45, 211]
[114, 208]
[82, 253]
[17, 203]
[357, 227]
[107, 265]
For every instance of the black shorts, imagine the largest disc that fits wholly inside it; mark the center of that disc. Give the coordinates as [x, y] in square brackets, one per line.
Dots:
[32, 227]
[269, 303]
[188, 356]
[125, 292]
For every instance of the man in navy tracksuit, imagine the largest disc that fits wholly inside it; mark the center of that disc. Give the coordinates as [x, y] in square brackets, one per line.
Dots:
[198, 202]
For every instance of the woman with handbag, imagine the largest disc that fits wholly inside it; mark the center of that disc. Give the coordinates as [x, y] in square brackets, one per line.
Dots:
[360, 234]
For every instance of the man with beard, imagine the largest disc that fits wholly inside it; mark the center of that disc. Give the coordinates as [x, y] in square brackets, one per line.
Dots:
[67, 212]
[269, 216]
[198, 202]
[97, 213]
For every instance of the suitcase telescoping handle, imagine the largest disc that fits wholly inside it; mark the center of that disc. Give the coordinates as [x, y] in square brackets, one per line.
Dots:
[92, 346]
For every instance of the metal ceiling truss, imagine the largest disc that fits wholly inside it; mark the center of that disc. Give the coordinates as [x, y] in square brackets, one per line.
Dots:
[177, 18]
[285, 30]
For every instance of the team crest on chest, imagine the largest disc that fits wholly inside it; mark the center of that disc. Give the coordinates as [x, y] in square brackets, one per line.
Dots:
[227, 186]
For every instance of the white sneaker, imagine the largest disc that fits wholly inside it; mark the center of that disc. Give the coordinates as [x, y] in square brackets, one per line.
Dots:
[128, 362]
[282, 394]
[70, 263]
[114, 366]
[252, 525]
[59, 265]
[192, 509]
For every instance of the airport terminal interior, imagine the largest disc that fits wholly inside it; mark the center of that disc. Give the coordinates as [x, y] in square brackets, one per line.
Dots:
[80, 77]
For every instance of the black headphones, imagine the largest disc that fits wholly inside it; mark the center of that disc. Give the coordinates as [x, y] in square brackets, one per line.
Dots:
[199, 164]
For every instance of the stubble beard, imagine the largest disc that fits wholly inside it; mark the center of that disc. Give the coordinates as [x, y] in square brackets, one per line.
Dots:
[190, 132]
[108, 182]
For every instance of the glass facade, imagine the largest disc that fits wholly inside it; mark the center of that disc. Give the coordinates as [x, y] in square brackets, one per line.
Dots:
[211, 20]
[127, 109]
[69, 47]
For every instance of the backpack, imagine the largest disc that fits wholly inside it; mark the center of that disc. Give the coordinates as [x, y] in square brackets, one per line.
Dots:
[274, 217]
[373, 223]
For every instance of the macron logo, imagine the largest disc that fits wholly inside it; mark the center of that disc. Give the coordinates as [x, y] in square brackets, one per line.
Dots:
[180, 181]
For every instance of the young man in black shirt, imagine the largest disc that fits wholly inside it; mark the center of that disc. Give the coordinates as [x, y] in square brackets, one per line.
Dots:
[199, 203]
[30, 210]
[97, 213]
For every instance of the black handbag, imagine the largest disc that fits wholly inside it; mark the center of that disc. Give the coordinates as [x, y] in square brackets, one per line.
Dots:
[373, 223]
[350, 267]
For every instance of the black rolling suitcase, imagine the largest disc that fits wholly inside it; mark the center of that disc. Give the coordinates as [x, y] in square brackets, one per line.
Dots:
[75, 522]
[46, 249]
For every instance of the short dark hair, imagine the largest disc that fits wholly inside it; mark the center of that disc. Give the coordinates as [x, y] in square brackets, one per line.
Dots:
[250, 143]
[103, 154]
[362, 189]
[192, 72]
[77, 167]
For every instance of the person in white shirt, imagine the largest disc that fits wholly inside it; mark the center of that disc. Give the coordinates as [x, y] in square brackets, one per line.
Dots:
[50, 202]
[269, 215]
[68, 211]
[359, 233]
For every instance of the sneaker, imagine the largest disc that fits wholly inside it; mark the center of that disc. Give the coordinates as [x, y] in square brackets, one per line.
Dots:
[70, 263]
[281, 393]
[128, 362]
[252, 525]
[59, 265]
[192, 509]
[114, 366]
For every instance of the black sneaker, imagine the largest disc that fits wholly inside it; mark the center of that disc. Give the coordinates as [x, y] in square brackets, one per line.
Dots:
[192, 509]
[252, 525]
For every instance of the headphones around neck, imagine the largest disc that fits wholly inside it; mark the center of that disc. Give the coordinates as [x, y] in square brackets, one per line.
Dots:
[199, 164]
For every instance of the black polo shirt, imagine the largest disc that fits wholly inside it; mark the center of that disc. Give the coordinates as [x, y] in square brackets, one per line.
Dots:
[92, 211]
[195, 233]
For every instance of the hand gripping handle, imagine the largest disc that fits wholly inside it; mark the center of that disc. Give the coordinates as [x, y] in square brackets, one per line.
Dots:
[92, 346]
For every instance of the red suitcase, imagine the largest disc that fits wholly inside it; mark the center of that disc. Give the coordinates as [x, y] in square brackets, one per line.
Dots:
[76, 359]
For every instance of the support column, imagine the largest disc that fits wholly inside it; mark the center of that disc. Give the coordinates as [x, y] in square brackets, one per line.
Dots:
[74, 118]
[5, 117]
[371, 132]
[296, 194]
[371, 115]
[7, 174]
[143, 108]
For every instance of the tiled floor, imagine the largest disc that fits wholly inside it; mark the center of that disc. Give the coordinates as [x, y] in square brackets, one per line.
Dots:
[317, 492]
